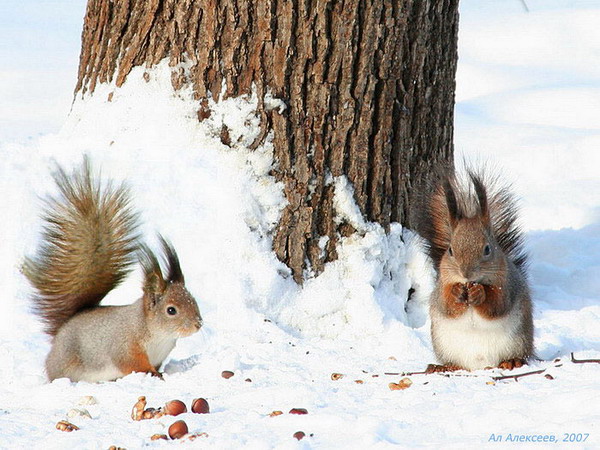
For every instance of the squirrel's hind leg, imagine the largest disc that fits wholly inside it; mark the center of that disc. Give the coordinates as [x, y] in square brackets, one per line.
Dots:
[511, 364]
[437, 368]
[61, 365]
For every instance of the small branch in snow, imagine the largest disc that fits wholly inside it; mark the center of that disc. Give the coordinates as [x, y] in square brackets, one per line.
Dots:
[407, 374]
[425, 372]
[495, 378]
[524, 4]
[517, 376]
[583, 361]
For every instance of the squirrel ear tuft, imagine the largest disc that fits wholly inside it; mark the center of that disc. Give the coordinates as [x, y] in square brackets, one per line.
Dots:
[451, 202]
[481, 193]
[174, 273]
[154, 283]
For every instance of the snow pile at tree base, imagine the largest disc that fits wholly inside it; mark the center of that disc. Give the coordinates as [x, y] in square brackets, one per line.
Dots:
[219, 206]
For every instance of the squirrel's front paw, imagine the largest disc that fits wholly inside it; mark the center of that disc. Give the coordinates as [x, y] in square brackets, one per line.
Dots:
[459, 293]
[475, 293]
[455, 299]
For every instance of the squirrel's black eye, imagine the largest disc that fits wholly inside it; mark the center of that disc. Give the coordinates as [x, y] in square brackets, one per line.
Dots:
[487, 250]
[171, 311]
[450, 251]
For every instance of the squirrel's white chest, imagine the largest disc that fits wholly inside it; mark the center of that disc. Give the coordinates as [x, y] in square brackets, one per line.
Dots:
[475, 342]
[159, 349]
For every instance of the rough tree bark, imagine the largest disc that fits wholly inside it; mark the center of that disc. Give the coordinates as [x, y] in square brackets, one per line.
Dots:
[369, 89]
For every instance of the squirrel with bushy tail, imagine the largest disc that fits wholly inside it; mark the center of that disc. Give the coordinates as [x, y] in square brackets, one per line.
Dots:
[481, 309]
[89, 243]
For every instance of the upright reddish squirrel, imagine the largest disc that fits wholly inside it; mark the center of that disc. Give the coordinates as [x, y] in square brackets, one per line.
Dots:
[481, 310]
[89, 243]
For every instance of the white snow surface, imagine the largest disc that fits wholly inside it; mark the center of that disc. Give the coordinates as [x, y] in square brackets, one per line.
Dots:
[526, 104]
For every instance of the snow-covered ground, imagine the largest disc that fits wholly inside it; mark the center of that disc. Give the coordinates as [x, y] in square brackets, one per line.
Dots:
[527, 103]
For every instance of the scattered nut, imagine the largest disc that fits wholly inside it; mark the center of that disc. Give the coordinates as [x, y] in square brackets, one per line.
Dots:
[359, 381]
[63, 425]
[178, 429]
[392, 358]
[195, 436]
[404, 383]
[491, 383]
[156, 437]
[200, 406]
[336, 376]
[248, 380]
[549, 377]
[114, 447]
[276, 413]
[299, 435]
[137, 412]
[87, 400]
[75, 412]
[152, 413]
[298, 411]
[174, 408]
[227, 374]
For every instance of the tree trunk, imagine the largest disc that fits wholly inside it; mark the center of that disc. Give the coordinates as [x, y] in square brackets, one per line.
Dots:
[368, 85]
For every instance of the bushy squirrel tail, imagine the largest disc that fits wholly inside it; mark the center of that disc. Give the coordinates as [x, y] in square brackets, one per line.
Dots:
[447, 198]
[88, 244]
